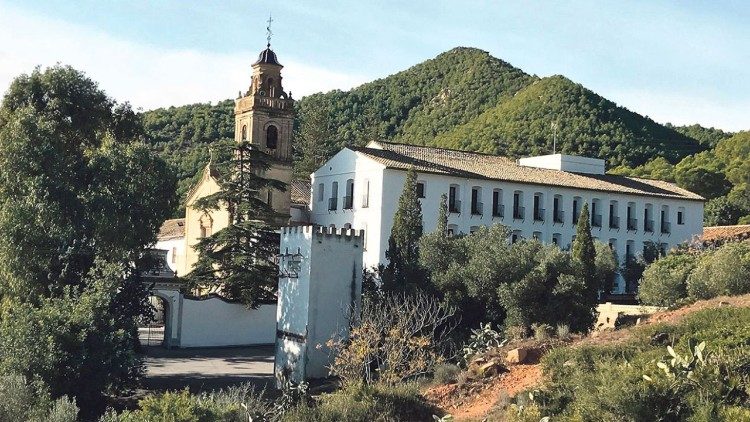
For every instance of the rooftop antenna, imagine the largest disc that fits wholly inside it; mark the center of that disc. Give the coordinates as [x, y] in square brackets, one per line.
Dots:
[269, 33]
[554, 137]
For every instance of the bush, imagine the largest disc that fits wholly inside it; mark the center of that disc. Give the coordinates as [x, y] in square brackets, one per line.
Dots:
[482, 340]
[30, 401]
[366, 403]
[723, 272]
[446, 373]
[562, 331]
[664, 282]
[542, 331]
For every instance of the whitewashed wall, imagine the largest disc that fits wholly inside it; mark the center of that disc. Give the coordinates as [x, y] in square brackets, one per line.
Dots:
[175, 248]
[213, 323]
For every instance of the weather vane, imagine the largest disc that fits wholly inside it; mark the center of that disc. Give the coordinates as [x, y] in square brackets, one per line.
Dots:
[268, 31]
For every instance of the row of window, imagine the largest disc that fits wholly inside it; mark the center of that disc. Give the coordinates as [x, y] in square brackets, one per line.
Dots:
[272, 136]
[558, 213]
[348, 199]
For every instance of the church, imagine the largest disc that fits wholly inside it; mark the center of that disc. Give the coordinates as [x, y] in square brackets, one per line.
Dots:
[358, 188]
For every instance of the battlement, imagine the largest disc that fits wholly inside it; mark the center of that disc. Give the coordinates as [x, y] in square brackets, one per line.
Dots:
[327, 232]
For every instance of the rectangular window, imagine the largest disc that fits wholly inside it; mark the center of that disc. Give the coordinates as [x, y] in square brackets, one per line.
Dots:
[420, 189]
[680, 218]
[538, 210]
[366, 193]
[576, 211]
[321, 192]
[454, 205]
[497, 208]
[518, 211]
[476, 205]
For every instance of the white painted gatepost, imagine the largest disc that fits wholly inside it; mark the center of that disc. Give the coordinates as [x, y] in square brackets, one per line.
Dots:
[320, 285]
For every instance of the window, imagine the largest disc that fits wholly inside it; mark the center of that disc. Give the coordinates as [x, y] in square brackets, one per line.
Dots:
[518, 210]
[472, 229]
[452, 229]
[321, 192]
[174, 255]
[515, 236]
[348, 226]
[349, 197]
[629, 250]
[632, 221]
[538, 204]
[476, 198]
[272, 137]
[269, 197]
[663, 248]
[613, 244]
[558, 216]
[206, 224]
[664, 220]
[454, 204]
[681, 216]
[648, 223]
[366, 193]
[244, 132]
[497, 203]
[420, 189]
[596, 216]
[537, 235]
[576, 209]
[614, 219]
[333, 200]
[557, 239]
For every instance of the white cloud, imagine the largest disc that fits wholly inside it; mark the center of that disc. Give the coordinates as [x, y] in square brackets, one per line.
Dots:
[145, 75]
[685, 110]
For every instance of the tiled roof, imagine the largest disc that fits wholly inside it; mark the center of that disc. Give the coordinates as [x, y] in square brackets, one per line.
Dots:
[474, 165]
[724, 233]
[172, 229]
[300, 190]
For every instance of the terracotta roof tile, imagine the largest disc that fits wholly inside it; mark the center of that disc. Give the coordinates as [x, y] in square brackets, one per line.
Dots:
[485, 166]
[724, 233]
[172, 229]
[300, 190]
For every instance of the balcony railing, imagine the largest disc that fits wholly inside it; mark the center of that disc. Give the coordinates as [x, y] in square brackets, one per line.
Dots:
[614, 222]
[498, 211]
[476, 208]
[518, 213]
[454, 206]
[558, 217]
[665, 227]
[333, 204]
[348, 202]
[596, 220]
[632, 224]
[539, 214]
[648, 226]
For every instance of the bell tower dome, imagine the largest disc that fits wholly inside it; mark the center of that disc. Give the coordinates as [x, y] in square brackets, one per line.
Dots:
[264, 116]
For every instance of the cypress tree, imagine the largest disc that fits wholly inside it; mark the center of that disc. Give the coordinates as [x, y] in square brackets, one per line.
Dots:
[238, 259]
[403, 271]
[583, 251]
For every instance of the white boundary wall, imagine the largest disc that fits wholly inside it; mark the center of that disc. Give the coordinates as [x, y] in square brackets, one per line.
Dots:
[213, 323]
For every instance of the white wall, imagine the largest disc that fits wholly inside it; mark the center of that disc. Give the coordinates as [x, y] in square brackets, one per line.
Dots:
[213, 322]
[173, 245]
[386, 186]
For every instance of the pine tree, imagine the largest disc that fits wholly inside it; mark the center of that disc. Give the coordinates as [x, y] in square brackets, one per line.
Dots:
[238, 260]
[583, 251]
[403, 271]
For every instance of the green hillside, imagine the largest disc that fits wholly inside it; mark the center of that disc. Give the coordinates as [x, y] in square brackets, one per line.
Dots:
[463, 98]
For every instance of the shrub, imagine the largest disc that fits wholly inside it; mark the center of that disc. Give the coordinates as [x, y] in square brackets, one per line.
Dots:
[30, 401]
[482, 340]
[397, 338]
[446, 373]
[664, 282]
[365, 403]
[723, 272]
[542, 331]
[562, 331]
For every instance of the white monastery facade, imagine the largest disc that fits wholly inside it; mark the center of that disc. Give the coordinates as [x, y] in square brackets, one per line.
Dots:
[536, 197]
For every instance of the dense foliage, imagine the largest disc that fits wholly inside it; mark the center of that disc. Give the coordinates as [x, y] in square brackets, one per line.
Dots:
[80, 199]
[688, 276]
[238, 260]
[642, 379]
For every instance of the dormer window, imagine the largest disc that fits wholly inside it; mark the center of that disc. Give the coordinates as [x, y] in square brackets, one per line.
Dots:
[272, 137]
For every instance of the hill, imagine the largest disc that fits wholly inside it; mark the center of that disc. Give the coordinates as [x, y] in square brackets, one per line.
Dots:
[463, 98]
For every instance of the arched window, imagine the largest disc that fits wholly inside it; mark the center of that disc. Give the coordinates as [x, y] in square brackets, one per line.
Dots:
[272, 137]
[244, 132]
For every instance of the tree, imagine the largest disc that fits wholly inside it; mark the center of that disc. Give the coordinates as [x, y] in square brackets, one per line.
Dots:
[313, 144]
[583, 250]
[403, 271]
[238, 259]
[81, 197]
[722, 211]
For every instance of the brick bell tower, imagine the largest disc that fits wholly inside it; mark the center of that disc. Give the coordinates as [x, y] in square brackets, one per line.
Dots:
[264, 116]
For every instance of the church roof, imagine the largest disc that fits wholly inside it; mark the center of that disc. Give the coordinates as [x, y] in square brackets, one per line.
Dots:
[472, 165]
[267, 56]
[172, 229]
[300, 190]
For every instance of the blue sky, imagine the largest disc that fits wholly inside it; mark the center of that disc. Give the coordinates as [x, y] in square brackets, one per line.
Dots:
[682, 62]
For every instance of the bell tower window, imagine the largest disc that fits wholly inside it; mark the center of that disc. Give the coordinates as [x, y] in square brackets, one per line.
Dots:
[272, 137]
[244, 132]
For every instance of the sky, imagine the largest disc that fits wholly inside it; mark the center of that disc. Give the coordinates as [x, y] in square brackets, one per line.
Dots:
[682, 62]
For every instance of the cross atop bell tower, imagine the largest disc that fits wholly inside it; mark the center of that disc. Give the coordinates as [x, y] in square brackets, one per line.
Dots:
[264, 116]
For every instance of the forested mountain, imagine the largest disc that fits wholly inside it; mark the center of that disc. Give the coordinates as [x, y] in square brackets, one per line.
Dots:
[463, 99]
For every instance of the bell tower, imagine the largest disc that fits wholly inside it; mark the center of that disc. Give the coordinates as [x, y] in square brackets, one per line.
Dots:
[264, 116]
